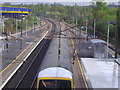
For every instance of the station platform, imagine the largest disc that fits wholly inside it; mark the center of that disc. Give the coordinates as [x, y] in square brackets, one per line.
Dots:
[101, 73]
[9, 69]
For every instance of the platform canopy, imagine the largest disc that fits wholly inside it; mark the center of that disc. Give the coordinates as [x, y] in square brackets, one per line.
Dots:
[97, 41]
[11, 11]
[101, 73]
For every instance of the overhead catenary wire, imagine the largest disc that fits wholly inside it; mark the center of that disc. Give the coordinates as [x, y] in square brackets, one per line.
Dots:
[84, 24]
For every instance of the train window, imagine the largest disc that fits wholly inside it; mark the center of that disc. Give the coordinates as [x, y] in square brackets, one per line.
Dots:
[59, 84]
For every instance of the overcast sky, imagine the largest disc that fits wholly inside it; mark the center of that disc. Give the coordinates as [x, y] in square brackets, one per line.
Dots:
[54, 0]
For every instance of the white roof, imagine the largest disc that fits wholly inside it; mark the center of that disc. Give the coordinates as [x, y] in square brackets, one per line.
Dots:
[97, 41]
[1, 37]
[101, 73]
[55, 72]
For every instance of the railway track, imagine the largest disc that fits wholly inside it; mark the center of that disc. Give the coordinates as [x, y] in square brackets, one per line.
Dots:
[25, 77]
[34, 66]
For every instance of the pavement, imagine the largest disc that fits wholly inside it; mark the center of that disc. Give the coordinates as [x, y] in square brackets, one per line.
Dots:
[31, 64]
[15, 47]
[14, 57]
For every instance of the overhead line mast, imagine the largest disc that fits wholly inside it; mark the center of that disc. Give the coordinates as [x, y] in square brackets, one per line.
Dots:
[117, 29]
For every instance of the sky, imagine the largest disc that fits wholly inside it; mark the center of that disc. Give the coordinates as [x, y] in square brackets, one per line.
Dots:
[64, 2]
[54, 0]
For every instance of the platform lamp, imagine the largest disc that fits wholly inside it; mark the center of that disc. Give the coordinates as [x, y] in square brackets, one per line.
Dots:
[21, 16]
[26, 24]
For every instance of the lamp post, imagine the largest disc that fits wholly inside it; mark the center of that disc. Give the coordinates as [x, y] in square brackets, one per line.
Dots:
[21, 31]
[16, 27]
[21, 35]
[3, 24]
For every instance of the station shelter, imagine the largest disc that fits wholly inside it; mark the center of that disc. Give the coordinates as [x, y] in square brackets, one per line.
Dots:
[100, 48]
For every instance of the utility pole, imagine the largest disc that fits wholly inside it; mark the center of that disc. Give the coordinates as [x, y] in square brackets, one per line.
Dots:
[76, 32]
[86, 29]
[94, 26]
[3, 31]
[76, 26]
[59, 51]
[108, 37]
[72, 20]
[16, 27]
[26, 25]
[117, 28]
[7, 42]
[21, 33]
[33, 24]
[3, 24]
[39, 27]
[54, 10]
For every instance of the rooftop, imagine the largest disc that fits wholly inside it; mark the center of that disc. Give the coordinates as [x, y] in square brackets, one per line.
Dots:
[101, 73]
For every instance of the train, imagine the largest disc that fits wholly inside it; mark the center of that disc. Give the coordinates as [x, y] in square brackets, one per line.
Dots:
[56, 69]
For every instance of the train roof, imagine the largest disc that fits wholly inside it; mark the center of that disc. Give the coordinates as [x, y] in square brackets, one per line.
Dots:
[51, 57]
[97, 41]
[55, 72]
[101, 73]
[57, 54]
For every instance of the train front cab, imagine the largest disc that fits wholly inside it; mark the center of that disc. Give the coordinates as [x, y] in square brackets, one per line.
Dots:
[56, 81]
